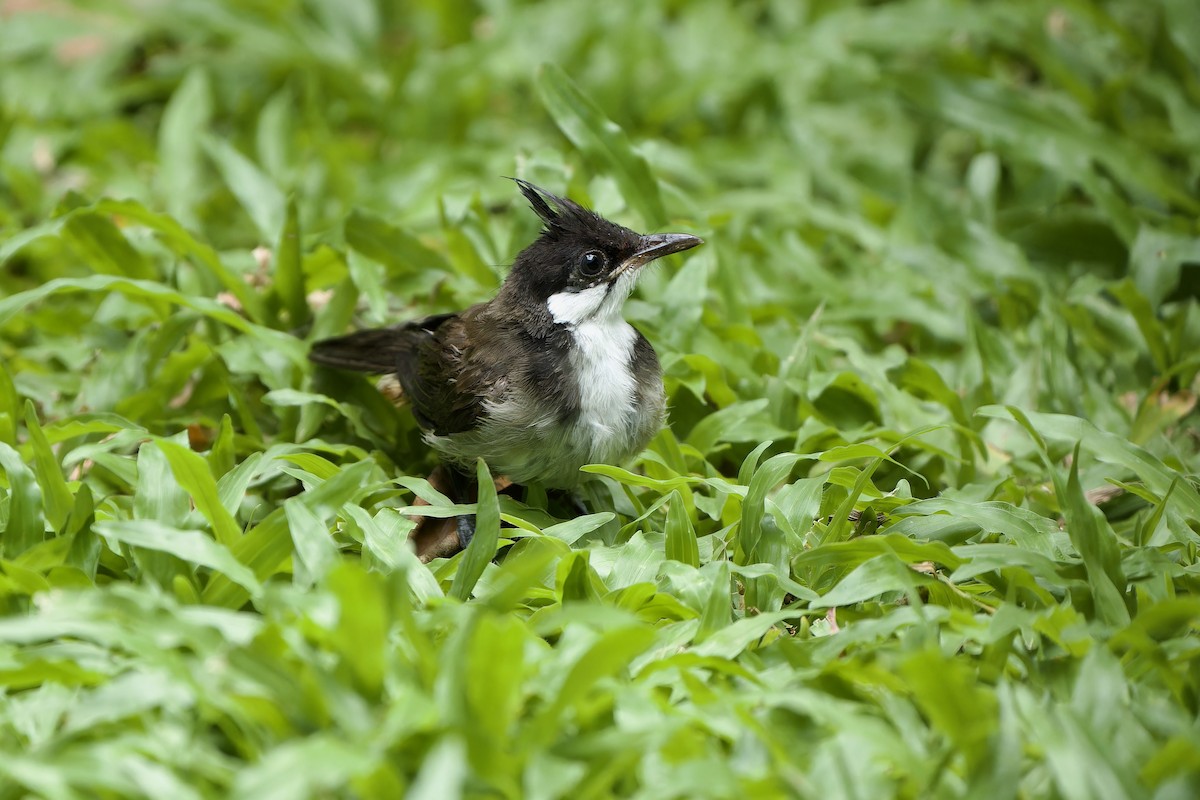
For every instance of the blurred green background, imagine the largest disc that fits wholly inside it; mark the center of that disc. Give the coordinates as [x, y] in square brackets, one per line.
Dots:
[951, 275]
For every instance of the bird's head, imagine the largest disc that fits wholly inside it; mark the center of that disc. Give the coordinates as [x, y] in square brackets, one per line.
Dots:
[582, 267]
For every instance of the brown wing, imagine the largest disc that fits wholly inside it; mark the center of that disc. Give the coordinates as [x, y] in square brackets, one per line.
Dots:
[450, 366]
[442, 375]
[456, 371]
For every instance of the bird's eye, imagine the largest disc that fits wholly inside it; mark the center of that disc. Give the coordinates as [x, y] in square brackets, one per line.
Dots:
[592, 263]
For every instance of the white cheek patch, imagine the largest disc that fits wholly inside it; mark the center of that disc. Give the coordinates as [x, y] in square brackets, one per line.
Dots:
[573, 308]
[596, 303]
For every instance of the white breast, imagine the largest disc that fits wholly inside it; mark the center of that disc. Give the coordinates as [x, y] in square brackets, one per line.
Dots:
[601, 357]
[601, 360]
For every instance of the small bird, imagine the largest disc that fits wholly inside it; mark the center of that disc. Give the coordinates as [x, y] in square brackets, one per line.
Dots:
[545, 377]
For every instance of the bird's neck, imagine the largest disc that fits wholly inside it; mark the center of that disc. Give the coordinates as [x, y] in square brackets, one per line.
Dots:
[511, 310]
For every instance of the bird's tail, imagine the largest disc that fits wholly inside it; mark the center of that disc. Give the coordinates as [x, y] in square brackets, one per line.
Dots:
[378, 350]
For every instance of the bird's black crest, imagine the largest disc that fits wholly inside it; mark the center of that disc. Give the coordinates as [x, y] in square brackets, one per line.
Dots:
[559, 214]
[537, 197]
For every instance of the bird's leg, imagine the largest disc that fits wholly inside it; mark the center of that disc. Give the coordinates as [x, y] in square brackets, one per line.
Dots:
[568, 497]
[464, 489]
[442, 537]
[577, 503]
[467, 491]
[439, 536]
[465, 527]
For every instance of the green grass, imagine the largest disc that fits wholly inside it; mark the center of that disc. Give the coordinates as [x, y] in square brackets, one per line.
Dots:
[951, 276]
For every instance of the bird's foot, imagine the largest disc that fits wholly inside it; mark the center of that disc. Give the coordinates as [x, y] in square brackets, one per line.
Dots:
[436, 537]
[442, 537]
[465, 526]
[580, 507]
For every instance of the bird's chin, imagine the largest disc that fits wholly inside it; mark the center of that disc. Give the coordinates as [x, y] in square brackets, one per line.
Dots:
[624, 278]
[619, 290]
[630, 269]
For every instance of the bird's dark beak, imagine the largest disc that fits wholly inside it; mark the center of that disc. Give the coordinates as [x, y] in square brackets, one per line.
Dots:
[657, 245]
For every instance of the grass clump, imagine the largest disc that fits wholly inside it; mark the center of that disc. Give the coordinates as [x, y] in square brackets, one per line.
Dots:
[951, 279]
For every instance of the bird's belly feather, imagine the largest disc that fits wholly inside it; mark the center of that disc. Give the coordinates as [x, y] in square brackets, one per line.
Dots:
[529, 443]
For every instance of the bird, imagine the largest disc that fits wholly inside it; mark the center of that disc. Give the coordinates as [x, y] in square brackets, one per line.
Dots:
[545, 377]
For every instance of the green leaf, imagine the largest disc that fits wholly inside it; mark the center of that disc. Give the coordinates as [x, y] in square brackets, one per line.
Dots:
[840, 529]
[1021, 526]
[716, 612]
[188, 546]
[289, 273]
[310, 537]
[25, 526]
[302, 768]
[274, 341]
[765, 478]
[104, 248]
[876, 576]
[632, 479]
[84, 552]
[494, 697]
[948, 692]
[184, 121]
[399, 251]
[611, 652]
[386, 538]
[442, 774]
[573, 530]
[159, 495]
[731, 640]
[856, 551]
[362, 628]
[56, 496]
[681, 537]
[259, 196]
[231, 488]
[482, 548]
[265, 547]
[725, 425]
[1156, 261]
[9, 403]
[1138, 306]
[183, 244]
[1059, 142]
[1096, 543]
[193, 474]
[221, 456]
[601, 140]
